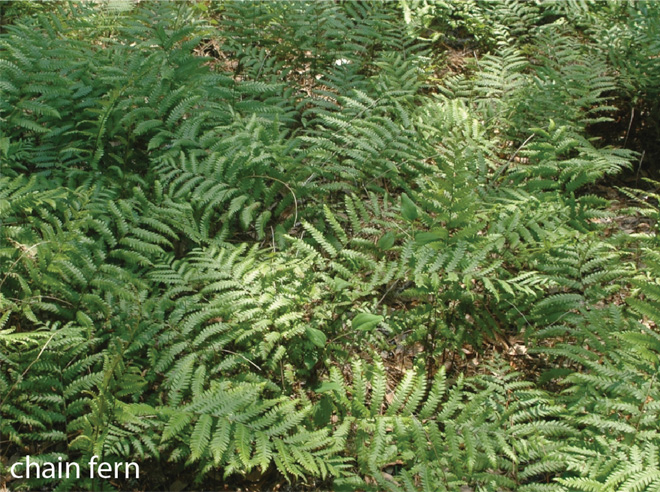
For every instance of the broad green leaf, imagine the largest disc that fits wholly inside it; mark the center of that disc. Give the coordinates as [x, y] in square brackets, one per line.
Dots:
[328, 386]
[408, 208]
[340, 283]
[423, 238]
[366, 321]
[386, 241]
[317, 337]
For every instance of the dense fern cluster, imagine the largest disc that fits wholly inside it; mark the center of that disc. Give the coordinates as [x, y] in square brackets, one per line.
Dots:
[292, 241]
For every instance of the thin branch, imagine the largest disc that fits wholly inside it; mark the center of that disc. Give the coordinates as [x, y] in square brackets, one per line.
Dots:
[242, 357]
[295, 201]
[27, 369]
[505, 166]
[25, 252]
[632, 115]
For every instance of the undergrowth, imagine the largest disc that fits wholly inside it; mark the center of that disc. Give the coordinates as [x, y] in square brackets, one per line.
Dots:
[290, 240]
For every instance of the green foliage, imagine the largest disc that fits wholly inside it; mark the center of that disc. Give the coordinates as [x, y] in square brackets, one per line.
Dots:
[279, 241]
[488, 431]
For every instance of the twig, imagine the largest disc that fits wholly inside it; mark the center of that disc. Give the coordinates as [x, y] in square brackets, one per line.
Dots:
[387, 292]
[16, 299]
[639, 168]
[521, 314]
[241, 356]
[632, 115]
[25, 252]
[505, 166]
[27, 369]
[295, 201]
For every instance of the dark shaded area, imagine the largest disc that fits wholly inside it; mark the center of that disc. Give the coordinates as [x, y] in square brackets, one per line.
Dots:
[636, 128]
